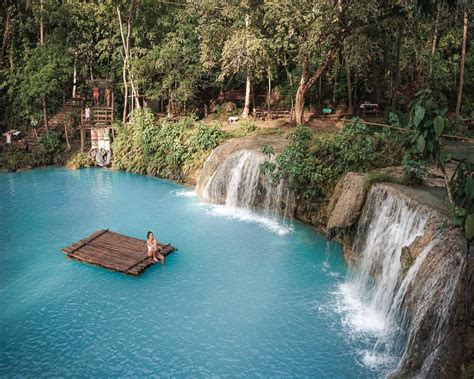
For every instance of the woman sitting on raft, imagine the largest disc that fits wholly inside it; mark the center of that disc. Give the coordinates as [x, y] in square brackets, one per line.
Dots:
[153, 249]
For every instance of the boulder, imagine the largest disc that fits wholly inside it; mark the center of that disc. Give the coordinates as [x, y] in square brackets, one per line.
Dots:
[347, 201]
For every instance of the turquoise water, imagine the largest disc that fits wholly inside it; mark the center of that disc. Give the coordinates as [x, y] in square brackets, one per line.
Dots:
[241, 297]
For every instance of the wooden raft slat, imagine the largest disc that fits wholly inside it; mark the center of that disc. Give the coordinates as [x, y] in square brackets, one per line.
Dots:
[114, 251]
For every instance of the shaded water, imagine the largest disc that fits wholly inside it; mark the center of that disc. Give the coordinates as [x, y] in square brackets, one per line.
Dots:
[239, 298]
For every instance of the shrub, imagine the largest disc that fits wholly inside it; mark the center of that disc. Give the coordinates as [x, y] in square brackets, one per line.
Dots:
[14, 157]
[246, 127]
[50, 149]
[313, 166]
[163, 149]
[80, 160]
[414, 170]
[226, 109]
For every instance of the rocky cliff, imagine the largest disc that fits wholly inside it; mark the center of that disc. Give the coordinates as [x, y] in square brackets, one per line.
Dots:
[413, 266]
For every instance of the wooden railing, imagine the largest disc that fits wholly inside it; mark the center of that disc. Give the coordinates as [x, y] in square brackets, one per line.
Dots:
[263, 113]
[101, 117]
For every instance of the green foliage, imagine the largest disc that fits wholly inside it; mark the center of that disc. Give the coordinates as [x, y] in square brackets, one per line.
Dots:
[382, 177]
[414, 170]
[169, 67]
[406, 259]
[393, 119]
[467, 371]
[14, 157]
[50, 142]
[164, 149]
[45, 73]
[463, 195]
[80, 160]
[428, 121]
[49, 151]
[313, 166]
[244, 51]
[267, 150]
[226, 109]
[246, 127]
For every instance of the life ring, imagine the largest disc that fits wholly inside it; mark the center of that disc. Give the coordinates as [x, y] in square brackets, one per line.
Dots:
[103, 157]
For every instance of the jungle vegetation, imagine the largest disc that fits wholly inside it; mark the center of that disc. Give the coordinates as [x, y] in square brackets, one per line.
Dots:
[182, 54]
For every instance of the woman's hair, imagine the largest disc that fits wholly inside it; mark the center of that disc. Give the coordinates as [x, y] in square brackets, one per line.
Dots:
[148, 234]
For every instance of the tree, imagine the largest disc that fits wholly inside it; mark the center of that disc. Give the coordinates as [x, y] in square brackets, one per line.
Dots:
[125, 34]
[463, 58]
[240, 47]
[170, 66]
[6, 29]
[316, 30]
[45, 75]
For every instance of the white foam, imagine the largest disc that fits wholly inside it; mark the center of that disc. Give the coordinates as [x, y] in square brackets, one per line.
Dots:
[359, 316]
[185, 193]
[249, 216]
[376, 361]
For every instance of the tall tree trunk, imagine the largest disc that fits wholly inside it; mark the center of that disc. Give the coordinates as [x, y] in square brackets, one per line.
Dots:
[350, 105]
[397, 80]
[290, 80]
[300, 92]
[43, 98]
[320, 92]
[74, 77]
[6, 31]
[306, 81]
[336, 69]
[434, 43]
[170, 104]
[380, 84]
[41, 24]
[463, 57]
[248, 83]
[269, 93]
[125, 95]
[135, 92]
[126, 57]
[45, 113]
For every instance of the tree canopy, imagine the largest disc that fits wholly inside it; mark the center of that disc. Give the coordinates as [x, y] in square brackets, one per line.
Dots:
[183, 53]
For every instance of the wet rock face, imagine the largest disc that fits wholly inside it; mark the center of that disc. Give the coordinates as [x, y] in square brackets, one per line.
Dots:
[435, 303]
[347, 201]
[411, 267]
[411, 252]
[233, 176]
[225, 150]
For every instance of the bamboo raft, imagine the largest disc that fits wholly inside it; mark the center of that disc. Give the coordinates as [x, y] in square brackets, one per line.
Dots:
[114, 251]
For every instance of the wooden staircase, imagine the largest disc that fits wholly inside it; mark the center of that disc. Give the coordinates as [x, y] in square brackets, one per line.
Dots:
[55, 122]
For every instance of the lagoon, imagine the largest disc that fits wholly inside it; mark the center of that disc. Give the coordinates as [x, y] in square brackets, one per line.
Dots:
[244, 296]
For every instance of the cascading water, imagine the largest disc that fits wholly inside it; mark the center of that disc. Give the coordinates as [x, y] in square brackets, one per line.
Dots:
[239, 182]
[394, 307]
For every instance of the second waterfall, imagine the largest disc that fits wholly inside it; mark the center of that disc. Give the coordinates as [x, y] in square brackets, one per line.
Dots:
[239, 182]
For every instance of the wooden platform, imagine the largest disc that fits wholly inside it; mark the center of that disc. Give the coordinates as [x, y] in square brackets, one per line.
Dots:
[114, 251]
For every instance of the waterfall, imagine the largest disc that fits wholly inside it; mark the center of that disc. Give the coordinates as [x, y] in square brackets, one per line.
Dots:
[408, 314]
[239, 182]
